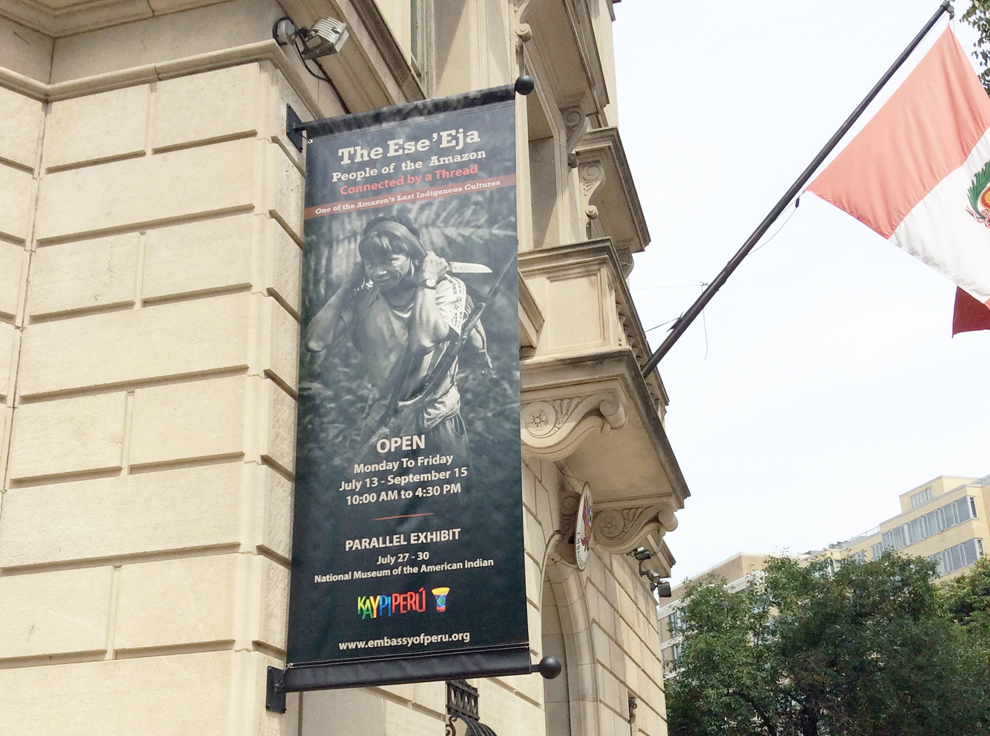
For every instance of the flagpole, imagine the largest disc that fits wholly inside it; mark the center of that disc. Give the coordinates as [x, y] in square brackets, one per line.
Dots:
[685, 320]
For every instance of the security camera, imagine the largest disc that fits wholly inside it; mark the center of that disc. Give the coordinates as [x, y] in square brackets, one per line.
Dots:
[641, 554]
[661, 588]
[327, 36]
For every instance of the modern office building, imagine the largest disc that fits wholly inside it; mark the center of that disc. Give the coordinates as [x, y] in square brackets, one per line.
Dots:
[944, 519]
[150, 245]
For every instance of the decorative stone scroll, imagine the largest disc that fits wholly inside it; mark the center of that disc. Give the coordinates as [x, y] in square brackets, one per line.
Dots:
[552, 429]
[576, 125]
[592, 173]
[622, 526]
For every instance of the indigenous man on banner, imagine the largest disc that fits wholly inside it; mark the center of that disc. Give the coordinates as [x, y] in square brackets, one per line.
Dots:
[405, 309]
[919, 174]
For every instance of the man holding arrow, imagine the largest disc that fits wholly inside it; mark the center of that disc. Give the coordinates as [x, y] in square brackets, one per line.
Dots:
[405, 312]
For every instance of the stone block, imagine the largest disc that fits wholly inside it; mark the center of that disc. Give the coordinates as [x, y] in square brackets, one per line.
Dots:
[97, 127]
[185, 601]
[146, 190]
[168, 35]
[530, 686]
[431, 696]
[20, 128]
[170, 510]
[274, 513]
[201, 256]
[281, 344]
[92, 273]
[283, 273]
[167, 340]
[404, 692]
[506, 713]
[25, 51]
[534, 578]
[610, 690]
[355, 712]
[533, 534]
[58, 612]
[402, 719]
[261, 722]
[8, 336]
[74, 435]
[278, 421]
[12, 259]
[15, 192]
[529, 489]
[151, 696]
[284, 186]
[274, 608]
[533, 625]
[205, 107]
[185, 421]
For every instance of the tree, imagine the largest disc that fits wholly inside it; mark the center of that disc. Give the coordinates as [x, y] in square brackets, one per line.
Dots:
[978, 16]
[867, 649]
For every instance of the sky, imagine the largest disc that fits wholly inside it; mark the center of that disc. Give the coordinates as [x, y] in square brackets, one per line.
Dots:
[823, 380]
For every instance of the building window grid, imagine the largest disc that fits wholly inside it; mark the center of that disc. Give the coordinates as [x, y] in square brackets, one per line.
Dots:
[959, 556]
[928, 525]
[921, 497]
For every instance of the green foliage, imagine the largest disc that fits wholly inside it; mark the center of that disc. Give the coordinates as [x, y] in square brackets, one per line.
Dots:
[870, 649]
[978, 16]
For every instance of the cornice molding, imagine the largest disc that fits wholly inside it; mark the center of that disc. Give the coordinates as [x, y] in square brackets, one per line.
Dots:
[257, 52]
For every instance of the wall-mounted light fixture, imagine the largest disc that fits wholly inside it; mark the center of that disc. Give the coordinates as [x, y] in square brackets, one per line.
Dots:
[326, 36]
[657, 584]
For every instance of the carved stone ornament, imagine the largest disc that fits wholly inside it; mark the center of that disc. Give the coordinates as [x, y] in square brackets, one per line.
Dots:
[592, 175]
[576, 125]
[620, 528]
[552, 430]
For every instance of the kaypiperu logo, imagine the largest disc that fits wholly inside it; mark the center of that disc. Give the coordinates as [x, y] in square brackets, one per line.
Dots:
[386, 605]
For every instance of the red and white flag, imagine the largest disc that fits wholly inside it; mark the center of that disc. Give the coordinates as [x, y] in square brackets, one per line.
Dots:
[919, 174]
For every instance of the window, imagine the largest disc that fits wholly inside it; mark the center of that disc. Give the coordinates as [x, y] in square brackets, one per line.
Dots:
[959, 556]
[859, 558]
[930, 524]
[877, 550]
[921, 497]
[421, 38]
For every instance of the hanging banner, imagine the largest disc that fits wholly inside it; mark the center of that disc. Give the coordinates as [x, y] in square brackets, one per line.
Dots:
[408, 543]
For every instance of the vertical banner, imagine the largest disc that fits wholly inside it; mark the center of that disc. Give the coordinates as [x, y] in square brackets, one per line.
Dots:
[407, 543]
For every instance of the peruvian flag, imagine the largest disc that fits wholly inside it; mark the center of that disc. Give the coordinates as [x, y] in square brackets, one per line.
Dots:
[919, 174]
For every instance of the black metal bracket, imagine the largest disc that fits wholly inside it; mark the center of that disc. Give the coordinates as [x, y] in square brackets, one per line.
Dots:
[277, 685]
[294, 128]
[275, 691]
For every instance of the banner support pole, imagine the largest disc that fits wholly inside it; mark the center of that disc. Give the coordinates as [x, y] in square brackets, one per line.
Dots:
[685, 320]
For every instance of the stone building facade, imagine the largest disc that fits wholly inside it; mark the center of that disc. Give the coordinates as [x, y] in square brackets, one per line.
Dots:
[150, 241]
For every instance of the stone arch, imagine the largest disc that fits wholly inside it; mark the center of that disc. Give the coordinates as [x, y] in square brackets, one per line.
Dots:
[571, 700]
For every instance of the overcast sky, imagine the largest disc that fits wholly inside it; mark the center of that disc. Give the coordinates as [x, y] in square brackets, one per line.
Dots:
[823, 381]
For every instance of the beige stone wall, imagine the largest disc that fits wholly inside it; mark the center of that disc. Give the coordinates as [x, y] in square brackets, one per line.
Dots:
[149, 293]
